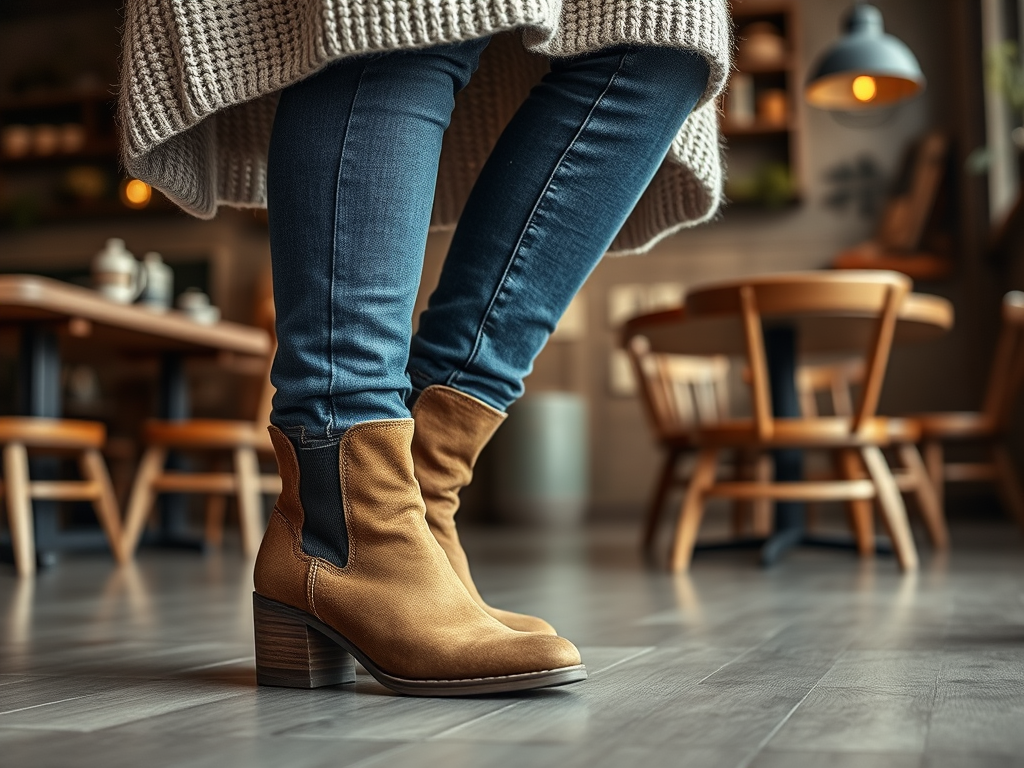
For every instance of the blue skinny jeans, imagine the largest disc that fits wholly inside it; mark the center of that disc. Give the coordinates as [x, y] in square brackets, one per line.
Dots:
[352, 170]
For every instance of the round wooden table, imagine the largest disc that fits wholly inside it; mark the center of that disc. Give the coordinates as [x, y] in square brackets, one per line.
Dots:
[922, 317]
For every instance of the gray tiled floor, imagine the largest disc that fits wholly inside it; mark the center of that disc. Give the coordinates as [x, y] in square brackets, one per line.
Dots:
[823, 660]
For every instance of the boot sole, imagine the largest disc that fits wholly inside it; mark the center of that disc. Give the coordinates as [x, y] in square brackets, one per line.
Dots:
[296, 650]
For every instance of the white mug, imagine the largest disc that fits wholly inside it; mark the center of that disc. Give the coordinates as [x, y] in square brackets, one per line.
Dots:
[117, 274]
[196, 305]
[159, 292]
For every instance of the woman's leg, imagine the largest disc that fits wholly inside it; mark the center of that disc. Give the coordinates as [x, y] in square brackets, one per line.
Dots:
[351, 175]
[563, 177]
[348, 563]
[561, 181]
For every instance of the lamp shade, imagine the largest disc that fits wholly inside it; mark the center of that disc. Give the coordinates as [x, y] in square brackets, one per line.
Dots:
[866, 68]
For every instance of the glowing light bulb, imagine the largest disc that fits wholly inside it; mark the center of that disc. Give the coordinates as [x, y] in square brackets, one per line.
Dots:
[865, 88]
[136, 193]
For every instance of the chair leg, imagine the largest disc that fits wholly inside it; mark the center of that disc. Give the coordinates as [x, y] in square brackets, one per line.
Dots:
[743, 510]
[216, 504]
[140, 502]
[894, 513]
[1009, 483]
[94, 468]
[657, 506]
[692, 510]
[250, 512]
[927, 499]
[935, 462]
[763, 508]
[19, 508]
[861, 511]
[753, 517]
[215, 511]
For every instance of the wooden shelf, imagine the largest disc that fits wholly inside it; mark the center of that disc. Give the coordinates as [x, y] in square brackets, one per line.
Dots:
[765, 157]
[42, 179]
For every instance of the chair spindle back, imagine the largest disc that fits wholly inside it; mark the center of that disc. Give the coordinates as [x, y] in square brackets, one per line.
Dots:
[877, 296]
[679, 392]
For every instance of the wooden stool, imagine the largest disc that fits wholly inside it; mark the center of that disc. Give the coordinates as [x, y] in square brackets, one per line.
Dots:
[243, 439]
[60, 436]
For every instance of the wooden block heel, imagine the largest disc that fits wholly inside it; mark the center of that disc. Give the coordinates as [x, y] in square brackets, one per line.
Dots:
[297, 650]
[292, 654]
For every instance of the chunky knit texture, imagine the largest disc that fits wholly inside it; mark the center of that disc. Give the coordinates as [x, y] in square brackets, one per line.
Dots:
[200, 82]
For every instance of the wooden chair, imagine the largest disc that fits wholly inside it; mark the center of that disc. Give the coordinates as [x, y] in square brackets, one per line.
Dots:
[837, 382]
[244, 441]
[988, 428]
[83, 439]
[679, 392]
[855, 441]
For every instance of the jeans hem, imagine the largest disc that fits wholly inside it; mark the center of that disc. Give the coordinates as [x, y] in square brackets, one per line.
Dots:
[302, 440]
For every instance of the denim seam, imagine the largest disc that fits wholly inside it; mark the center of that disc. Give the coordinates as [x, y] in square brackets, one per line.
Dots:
[305, 442]
[332, 416]
[515, 255]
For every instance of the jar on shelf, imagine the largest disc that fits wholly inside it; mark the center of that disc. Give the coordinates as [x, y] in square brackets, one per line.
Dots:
[760, 45]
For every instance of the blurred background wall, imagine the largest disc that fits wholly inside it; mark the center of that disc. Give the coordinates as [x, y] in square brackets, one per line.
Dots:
[844, 173]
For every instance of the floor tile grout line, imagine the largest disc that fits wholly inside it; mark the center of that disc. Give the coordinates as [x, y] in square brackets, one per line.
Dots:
[778, 727]
[931, 709]
[201, 667]
[19, 680]
[771, 637]
[36, 706]
[726, 664]
[471, 721]
[637, 655]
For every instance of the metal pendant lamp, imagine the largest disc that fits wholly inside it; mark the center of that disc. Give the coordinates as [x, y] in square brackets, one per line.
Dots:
[866, 69]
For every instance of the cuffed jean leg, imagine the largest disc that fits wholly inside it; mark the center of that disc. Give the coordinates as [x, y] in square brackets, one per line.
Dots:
[560, 183]
[351, 175]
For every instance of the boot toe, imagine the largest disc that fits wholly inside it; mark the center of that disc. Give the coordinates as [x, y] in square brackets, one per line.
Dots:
[522, 622]
[553, 652]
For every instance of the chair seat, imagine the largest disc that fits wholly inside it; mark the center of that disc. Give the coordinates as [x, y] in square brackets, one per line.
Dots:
[207, 433]
[826, 432]
[52, 433]
[964, 425]
[904, 430]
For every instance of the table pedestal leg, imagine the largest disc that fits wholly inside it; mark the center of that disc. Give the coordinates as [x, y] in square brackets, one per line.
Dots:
[790, 523]
[790, 517]
[174, 405]
[39, 395]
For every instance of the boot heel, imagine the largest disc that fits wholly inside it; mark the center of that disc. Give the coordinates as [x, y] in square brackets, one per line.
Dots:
[291, 654]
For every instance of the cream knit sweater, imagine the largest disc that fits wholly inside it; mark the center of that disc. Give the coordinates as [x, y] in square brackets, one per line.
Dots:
[200, 82]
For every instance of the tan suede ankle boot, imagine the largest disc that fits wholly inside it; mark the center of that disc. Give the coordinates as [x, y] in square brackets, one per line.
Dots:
[395, 604]
[451, 430]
